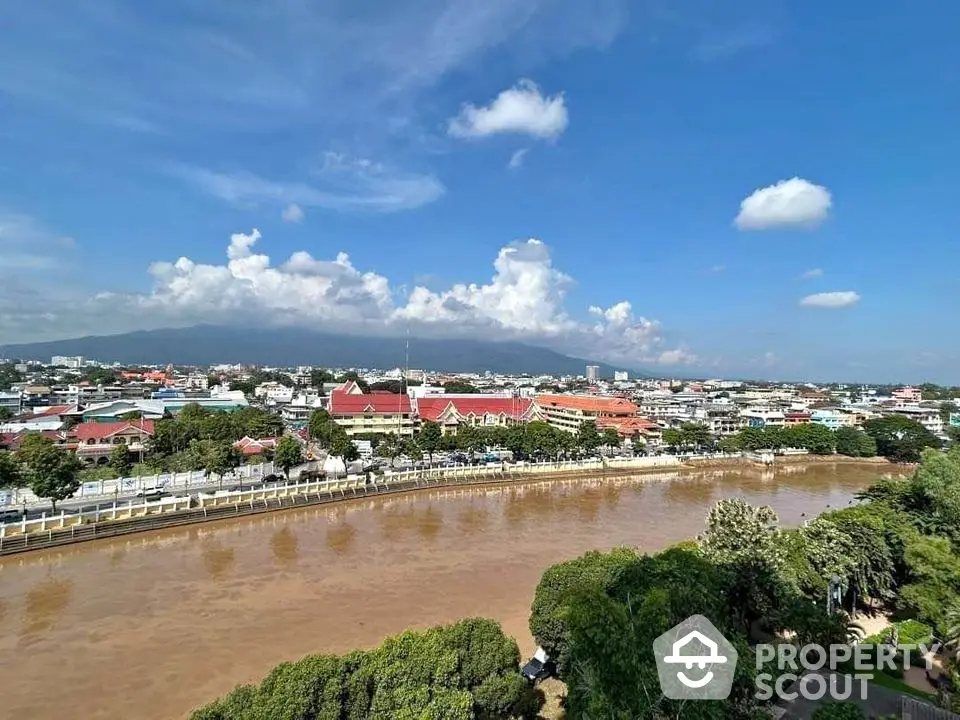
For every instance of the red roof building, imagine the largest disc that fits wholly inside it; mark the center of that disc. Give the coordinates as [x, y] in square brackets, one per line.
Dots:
[96, 440]
[450, 411]
[360, 413]
[252, 446]
[568, 412]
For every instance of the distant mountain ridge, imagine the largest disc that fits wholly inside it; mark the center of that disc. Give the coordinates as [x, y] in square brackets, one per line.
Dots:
[204, 345]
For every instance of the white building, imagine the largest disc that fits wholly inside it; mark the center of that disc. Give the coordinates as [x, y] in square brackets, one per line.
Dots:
[928, 417]
[593, 372]
[70, 361]
[621, 376]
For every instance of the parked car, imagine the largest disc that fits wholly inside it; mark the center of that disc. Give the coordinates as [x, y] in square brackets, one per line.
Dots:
[540, 667]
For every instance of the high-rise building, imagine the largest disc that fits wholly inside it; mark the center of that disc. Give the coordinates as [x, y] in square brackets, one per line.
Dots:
[621, 376]
[593, 372]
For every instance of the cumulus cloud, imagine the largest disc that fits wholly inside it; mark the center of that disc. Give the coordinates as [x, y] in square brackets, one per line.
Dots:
[794, 203]
[521, 109]
[837, 299]
[812, 273]
[292, 213]
[343, 183]
[516, 160]
[523, 300]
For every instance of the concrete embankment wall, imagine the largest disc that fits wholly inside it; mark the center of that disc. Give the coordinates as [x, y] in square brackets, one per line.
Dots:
[65, 529]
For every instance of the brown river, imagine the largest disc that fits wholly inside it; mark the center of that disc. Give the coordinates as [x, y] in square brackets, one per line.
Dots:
[152, 626]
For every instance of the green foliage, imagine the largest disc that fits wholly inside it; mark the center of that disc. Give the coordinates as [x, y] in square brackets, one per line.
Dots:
[588, 437]
[10, 470]
[319, 378]
[288, 453]
[121, 460]
[94, 474]
[342, 446]
[52, 473]
[909, 632]
[854, 442]
[321, 427]
[459, 387]
[899, 438]
[688, 436]
[817, 439]
[9, 376]
[458, 672]
[258, 377]
[352, 376]
[839, 711]
[430, 436]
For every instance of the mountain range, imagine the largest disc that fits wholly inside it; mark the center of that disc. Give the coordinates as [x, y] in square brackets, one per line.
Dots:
[204, 345]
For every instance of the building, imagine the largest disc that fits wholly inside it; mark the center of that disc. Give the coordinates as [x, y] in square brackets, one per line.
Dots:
[450, 411]
[721, 419]
[359, 413]
[928, 417]
[12, 402]
[67, 361]
[95, 441]
[568, 412]
[255, 446]
[621, 376]
[832, 418]
[909, 395]
[797, 418]
[761, 418]
[593, 373]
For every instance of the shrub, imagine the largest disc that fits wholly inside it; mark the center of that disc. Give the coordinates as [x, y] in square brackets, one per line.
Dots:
[839, 711]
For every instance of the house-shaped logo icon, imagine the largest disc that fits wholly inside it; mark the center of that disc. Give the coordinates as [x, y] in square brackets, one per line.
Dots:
[695, 661]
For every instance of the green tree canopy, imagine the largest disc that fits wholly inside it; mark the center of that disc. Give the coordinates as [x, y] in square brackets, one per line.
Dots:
[288, 454]
[52, 473]
[121, 460]
[899, 438]
[10, 470]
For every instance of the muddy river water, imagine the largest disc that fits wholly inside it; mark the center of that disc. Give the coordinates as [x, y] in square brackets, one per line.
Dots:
[152, 626]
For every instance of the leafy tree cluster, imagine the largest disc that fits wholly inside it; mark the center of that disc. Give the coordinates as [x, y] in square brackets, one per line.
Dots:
[393, 386]
[49, 471]
[817, 439]
[259, 377]
[198, 438]
[457, 672]
[460, 387]
[99, 375]
[330, 436]
[9, 375]
[689, 436]
[929, 391]
[899, 438]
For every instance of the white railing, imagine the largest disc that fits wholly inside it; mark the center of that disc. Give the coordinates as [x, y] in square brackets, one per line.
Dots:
[104, 489]
[135, 508]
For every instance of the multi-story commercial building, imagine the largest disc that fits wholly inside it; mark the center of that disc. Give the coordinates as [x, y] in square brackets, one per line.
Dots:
[68, 361]
[359, 413]
[12, 402]
[928, 417]
[720, 419]
[909, 395]
[593, 373]
[797, 418]
[450, 411]
[621, 376]
[568, 412]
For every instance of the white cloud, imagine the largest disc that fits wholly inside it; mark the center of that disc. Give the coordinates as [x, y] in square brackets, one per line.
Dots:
[521, 109]
[346, 185]
[523, 300]
[794, 203]
[516, 160]
[812, 273]
[26, 245]
[292, 213]
[836, 299]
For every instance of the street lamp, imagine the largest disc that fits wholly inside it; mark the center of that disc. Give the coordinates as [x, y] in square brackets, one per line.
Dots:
[834, 594]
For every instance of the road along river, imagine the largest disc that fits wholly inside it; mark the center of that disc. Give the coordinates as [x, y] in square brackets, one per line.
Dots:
[154, 625]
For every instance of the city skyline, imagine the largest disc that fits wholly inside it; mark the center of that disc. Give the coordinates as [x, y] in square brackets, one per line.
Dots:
[693, 190]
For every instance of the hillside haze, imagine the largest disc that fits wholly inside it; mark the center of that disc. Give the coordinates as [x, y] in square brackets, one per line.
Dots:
[284, 347]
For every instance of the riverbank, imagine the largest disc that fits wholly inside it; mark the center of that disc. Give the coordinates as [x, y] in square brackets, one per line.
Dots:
[151, 516]
[180, 616]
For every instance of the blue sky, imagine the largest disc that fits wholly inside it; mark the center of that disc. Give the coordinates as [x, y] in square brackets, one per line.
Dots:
[760, 189]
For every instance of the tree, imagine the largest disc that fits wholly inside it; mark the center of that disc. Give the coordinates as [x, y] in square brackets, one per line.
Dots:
[5, 413]
[319, 378]
[342, 446]
[321, 427]
[10, 471]
[389, 447]
[588, 438]
[695, 435]
[953, 432]
[50, 472]
[610, 438]
[816, 438]
[839, 711]
[459, 387]
[429, 437]
[288, 454]
[353, 376]
[220, 458]
[899, 438]
[9, 375]
[853, 442]
[121, 460]
[672, 438]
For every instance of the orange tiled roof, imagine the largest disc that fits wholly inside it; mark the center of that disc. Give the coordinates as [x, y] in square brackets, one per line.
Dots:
[628, 426]
[589, 403]
[431, 408]
[99, 431]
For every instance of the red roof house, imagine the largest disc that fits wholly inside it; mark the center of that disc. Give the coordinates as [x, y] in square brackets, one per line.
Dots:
[451, 410]
[253, 446]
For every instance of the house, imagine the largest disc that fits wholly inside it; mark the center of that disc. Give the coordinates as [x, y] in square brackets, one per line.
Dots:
[796, 418]
[12, 401]
[450, 411]
[761, 418]
[252, 446]
[359, 413]
[96, 440]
